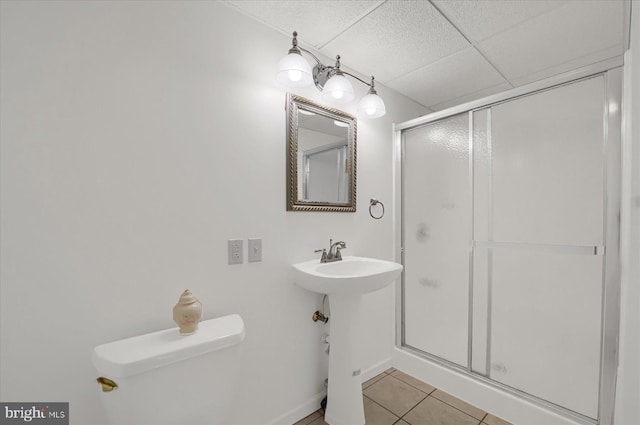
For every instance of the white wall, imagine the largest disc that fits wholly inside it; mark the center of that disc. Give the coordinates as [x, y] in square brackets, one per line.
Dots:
[137, 137]
[628, 388]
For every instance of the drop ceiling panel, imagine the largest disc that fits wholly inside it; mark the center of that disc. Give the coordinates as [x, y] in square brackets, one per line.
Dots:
[576, 34]
[601, 56]
[396, 38]
[462, 73]
[479, 20]
[317, 22]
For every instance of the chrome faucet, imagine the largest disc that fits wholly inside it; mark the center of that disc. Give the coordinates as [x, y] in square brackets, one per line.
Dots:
[334, 252]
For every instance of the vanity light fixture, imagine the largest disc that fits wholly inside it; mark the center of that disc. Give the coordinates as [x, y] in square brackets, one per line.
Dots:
[295, 71]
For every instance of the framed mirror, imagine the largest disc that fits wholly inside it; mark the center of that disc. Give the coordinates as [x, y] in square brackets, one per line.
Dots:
[321, 157]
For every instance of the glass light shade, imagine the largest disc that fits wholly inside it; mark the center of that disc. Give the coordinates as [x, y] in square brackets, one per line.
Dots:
[371, 106]
[338, 89]
[294, 71]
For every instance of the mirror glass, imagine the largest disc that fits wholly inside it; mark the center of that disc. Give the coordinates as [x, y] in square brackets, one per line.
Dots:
[321, 157]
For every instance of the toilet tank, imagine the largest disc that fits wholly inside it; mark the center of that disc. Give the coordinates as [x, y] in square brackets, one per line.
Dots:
[167, 378]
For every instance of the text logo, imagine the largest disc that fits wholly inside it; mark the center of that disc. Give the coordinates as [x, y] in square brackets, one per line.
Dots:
[35, 413]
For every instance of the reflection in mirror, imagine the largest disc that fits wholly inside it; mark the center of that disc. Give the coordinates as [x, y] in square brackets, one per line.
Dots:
[325, 176]
[321, 151]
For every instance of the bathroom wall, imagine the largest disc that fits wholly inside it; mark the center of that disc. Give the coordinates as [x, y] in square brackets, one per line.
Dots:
[137, 138]
[628, 388]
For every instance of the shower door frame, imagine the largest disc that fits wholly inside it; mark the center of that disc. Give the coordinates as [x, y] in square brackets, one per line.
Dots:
[612, 123]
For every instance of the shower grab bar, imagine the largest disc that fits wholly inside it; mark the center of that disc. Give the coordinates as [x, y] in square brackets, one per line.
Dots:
[564, 249]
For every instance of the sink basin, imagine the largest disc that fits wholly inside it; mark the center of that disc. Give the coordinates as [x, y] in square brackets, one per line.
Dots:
[352, 275]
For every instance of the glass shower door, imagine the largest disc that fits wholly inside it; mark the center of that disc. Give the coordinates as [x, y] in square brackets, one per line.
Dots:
[539, 242]
[510, 243]
[437, 228]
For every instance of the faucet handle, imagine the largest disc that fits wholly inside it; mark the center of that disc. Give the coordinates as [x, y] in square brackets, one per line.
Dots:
[323, 259]
[338, 249]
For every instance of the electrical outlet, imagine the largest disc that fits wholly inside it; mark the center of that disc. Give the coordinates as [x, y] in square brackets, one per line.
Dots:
[235, 251]
[255, 250]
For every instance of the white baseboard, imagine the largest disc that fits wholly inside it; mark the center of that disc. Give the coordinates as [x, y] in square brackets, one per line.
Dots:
[294, 415]
[313, 403]
[376, 369]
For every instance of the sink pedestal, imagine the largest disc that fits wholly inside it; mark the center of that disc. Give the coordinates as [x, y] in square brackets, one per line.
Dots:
[344, 400]
[345, 282]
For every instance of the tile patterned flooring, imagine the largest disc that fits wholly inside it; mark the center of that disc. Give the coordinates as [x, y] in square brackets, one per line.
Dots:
[395, 398]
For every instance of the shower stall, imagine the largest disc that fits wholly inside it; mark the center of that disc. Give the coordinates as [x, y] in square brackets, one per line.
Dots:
[509, 237]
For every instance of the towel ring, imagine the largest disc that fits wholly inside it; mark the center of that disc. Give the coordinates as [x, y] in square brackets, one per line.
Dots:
[373, 202]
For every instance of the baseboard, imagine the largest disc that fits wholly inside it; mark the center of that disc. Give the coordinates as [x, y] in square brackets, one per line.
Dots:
[376, 369]
[294, 415]
[313, 403]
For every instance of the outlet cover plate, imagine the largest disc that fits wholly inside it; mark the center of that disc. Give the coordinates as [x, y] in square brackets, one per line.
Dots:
[235, 251]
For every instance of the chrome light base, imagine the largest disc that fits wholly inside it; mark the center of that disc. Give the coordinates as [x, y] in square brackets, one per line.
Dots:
[321, 75]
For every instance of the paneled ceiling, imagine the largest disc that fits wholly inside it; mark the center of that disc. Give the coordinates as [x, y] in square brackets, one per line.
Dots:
[441, 53]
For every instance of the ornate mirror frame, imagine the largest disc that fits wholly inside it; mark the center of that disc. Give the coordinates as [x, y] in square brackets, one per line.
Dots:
[295, 200]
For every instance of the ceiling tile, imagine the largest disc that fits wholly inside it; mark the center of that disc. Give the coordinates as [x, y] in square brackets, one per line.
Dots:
[317, 22]
[576, 34]
[480, 19]
[463, 73]
[397, 37]
[582, 61]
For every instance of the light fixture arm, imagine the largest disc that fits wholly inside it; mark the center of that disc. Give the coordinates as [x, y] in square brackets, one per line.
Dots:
[308, 52]
[360, 79]
[322, 72]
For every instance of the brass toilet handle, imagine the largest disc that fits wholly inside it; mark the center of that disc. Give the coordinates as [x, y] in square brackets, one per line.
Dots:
[107, 384]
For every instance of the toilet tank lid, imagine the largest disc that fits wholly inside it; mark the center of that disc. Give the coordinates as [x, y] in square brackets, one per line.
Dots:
[138, 354]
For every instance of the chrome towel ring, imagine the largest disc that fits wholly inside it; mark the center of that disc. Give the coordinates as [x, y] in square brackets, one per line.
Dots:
[373, 202]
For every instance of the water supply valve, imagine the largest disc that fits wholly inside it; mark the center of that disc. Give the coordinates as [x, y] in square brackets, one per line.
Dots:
[319, 316]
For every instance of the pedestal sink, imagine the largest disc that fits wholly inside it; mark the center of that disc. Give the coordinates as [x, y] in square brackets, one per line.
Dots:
[345, 282]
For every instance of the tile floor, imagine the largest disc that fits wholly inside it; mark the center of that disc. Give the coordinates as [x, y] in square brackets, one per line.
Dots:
[395, 398]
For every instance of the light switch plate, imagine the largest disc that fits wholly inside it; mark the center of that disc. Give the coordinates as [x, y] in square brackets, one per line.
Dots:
[255, 250]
